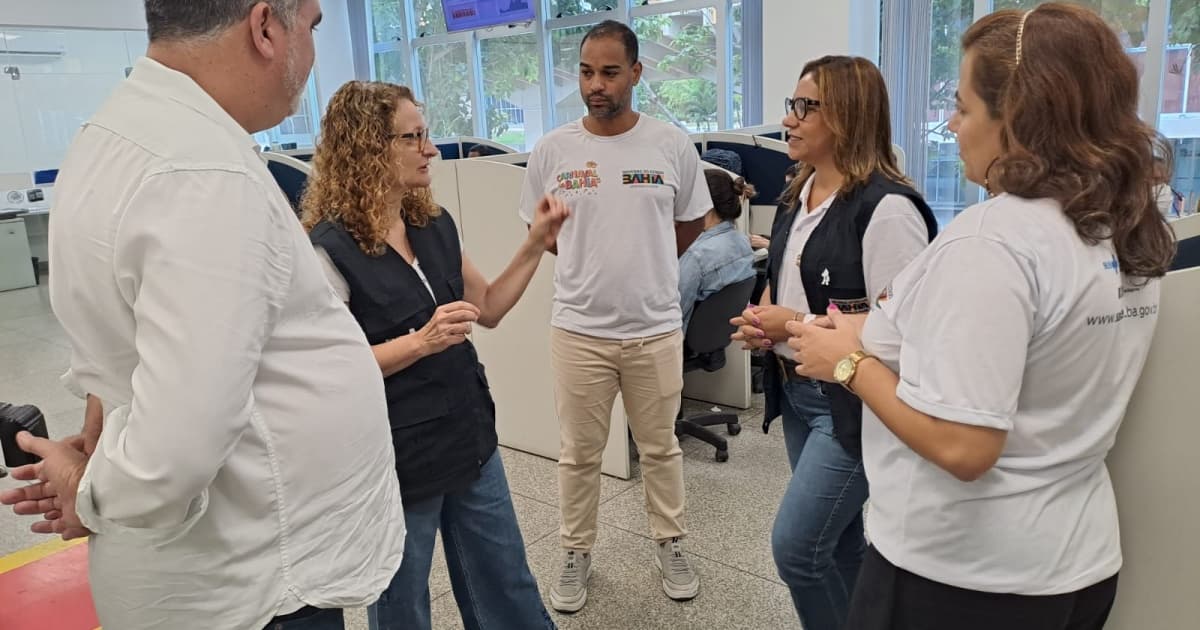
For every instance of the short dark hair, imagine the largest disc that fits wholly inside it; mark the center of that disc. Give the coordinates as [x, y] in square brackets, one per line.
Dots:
[187, 19]
[727, 193]
[483, 150]
[618, 31]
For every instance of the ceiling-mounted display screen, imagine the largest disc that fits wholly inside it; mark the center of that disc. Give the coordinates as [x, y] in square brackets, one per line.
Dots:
[465, 15]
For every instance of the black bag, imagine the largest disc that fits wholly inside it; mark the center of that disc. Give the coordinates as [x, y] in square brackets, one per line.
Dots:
[13, 420]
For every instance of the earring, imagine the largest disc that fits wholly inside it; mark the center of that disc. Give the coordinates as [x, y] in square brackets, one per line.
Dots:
[987, 182]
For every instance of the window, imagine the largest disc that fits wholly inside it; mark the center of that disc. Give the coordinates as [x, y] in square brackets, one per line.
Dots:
[946, 188]
[568, 8]
[679, 56]
[390, 67]
[494, 82]
[387, 21]
[1179, 109]
[447, 89]
[428, 17]
[511, 92]
[564, 47]
[300, 128]
[738, 60]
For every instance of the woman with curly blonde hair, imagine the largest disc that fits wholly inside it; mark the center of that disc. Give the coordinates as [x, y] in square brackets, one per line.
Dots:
[394, 257]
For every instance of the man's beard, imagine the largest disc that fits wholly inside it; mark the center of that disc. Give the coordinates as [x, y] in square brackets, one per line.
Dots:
[294, 82]
[610, 108]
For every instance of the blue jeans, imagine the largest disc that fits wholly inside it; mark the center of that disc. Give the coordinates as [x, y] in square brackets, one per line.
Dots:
[817, 539]
[327, 619]
[485, 554]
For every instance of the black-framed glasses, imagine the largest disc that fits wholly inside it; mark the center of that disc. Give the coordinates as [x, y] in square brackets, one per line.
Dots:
[800, 106]
[420, 136]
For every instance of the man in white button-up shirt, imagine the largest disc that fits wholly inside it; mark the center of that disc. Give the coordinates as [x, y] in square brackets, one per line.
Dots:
[245, 470]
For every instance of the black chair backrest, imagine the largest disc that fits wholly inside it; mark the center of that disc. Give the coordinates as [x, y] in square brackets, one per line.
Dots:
[709, 329]
[291, 180]
[1188, 254]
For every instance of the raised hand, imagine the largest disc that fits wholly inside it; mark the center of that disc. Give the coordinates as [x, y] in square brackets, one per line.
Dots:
[548, 219]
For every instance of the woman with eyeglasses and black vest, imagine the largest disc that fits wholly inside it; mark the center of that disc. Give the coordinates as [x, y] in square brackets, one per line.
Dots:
[847, 224]
[394, 257]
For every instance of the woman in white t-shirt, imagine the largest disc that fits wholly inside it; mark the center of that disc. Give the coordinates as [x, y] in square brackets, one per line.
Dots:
[1002, 359]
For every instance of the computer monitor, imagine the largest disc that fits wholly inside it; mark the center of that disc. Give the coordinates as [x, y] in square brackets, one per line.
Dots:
[465, 15]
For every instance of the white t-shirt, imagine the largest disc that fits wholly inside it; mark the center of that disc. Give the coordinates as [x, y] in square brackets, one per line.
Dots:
[894, 236]
[617, 273]
[1009, 320]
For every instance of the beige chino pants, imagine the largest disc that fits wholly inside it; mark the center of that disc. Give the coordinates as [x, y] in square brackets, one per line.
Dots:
[588, 374]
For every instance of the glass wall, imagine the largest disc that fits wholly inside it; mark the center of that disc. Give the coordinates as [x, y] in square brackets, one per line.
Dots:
[510, 83]
[679, 53]
[1179, 105]
[1178, 117]
[512, 98]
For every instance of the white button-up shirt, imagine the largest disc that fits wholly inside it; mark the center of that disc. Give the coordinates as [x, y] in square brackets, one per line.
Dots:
[246, 466]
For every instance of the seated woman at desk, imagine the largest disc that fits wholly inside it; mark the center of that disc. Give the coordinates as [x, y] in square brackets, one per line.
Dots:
[721, 255]
[394, 257]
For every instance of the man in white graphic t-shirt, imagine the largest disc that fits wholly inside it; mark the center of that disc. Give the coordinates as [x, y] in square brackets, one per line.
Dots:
[638, 197]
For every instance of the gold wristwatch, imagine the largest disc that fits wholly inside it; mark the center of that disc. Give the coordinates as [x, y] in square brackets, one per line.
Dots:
[845, 369]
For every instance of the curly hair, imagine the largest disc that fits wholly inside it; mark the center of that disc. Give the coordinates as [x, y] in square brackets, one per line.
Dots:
[354, 164]
[1071, 127]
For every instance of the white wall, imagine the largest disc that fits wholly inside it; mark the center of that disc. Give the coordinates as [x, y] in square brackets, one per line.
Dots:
[108, 14]
[335, 50]
[798, 31]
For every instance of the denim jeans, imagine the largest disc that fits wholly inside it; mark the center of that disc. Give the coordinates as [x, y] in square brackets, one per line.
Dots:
[327, 619]
[485, 555]
[817, 539]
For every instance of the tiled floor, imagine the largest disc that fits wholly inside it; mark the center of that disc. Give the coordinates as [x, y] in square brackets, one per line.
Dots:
[730, 508]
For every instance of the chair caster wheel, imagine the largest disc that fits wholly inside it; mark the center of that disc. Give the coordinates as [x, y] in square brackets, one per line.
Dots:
[733, 428]
[722, 456]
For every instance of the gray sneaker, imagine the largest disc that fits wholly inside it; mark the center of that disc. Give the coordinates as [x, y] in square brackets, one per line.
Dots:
[569, 594]
[679, 581]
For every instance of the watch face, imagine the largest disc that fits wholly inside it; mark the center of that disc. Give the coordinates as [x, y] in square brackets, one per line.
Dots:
[843, 370]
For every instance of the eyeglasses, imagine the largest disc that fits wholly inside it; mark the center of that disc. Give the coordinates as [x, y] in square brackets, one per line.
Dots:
[800, 107]
[420, 136]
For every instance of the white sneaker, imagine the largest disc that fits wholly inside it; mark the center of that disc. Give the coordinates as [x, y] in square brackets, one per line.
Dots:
[679, 581]
[569, 594]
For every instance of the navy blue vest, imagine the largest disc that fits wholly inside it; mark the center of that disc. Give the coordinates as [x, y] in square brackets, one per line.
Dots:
[440, 408]
[831, 268]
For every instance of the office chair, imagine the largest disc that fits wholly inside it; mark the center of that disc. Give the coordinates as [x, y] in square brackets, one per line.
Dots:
[291, 174]
[704, 346]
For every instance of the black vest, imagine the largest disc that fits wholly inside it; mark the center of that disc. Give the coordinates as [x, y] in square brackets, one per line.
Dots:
[441, 412]
[831, 268]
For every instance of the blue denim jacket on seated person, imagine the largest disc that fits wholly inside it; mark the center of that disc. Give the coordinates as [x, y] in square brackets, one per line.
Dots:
[720, 257]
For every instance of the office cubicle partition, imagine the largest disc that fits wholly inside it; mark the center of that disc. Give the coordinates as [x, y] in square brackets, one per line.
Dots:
[1187, 238]
[1156, 473]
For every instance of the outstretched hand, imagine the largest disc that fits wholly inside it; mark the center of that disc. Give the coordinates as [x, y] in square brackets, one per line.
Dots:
[57, 476]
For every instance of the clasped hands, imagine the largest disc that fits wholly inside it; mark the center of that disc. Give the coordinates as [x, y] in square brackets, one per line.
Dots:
[818, 344]
[55, 479]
